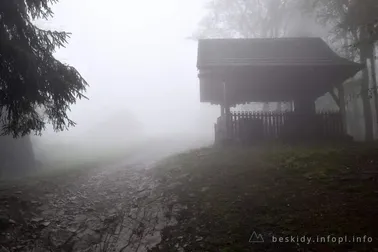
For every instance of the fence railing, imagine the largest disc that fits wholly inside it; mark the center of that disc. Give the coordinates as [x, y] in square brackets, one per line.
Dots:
[254, 126]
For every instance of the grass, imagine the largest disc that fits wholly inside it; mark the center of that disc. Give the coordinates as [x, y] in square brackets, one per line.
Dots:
[275, 191]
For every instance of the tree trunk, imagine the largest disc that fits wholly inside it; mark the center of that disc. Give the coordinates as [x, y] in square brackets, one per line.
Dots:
[374, 86]
[16, 156]
[369, 136]
[365, 49]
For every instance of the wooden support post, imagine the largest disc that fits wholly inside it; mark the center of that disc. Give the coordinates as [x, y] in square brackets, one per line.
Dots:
[304, 124]
[227, 112]
[304, 106]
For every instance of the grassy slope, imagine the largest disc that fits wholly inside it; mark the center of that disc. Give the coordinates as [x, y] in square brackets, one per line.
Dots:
[277, 191]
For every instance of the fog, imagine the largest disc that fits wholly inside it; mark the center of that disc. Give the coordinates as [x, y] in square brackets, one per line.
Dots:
[141, 68]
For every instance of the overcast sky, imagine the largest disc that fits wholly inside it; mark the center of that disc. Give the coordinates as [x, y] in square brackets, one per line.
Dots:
[135, 55]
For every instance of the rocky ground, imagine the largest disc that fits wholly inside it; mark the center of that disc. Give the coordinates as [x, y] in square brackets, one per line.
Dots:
[209, 199]
[118, 208]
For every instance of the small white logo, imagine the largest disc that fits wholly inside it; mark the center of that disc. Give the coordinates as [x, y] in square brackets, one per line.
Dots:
[256, 238]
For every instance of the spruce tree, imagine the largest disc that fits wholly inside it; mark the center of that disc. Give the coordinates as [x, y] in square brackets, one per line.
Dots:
[35, 87]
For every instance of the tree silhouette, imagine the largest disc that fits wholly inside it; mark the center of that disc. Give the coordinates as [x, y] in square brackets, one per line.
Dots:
[35, 88]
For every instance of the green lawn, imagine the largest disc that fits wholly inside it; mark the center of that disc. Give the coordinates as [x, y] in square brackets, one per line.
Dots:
[319, 192]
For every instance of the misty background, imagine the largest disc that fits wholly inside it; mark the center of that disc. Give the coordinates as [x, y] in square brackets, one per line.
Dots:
[141, 68]
[139, 59]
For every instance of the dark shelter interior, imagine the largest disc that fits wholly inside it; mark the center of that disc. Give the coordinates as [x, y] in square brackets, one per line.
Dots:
[298, 70]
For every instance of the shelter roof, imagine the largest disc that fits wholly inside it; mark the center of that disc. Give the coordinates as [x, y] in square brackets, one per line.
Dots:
[269, 69]
[267, 52]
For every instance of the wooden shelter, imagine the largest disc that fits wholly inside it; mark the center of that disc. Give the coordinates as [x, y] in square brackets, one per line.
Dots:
[238, 71]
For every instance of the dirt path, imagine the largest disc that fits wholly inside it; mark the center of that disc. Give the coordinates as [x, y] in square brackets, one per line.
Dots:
[119, 208]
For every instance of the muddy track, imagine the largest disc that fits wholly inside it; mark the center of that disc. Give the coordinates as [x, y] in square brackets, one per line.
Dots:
[119, 208]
